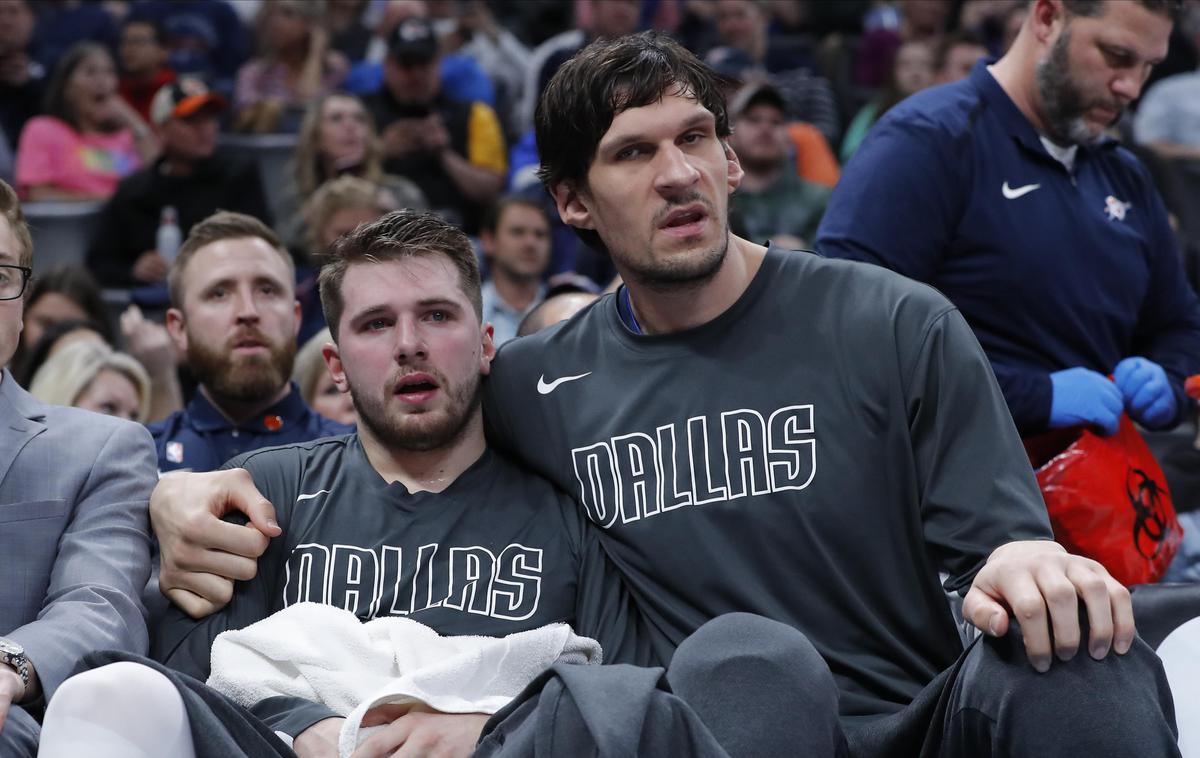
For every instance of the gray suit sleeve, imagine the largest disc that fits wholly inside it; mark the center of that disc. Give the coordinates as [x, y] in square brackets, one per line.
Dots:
[103, 561]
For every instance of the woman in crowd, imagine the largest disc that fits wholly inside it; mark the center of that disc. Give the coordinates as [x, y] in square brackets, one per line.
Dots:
[316, 385]
[89, 374]
[337, 137]
[295, 65]
[912, 71]
[61, 294]
[88, 139]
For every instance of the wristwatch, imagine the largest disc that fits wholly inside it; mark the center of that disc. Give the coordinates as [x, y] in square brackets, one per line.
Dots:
[14, 655]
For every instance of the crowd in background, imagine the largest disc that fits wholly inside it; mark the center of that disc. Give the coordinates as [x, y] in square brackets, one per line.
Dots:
[152, 114]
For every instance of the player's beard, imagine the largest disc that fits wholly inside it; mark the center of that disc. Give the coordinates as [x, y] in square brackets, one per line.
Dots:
[688, 270]
[1063, 104]
[420, 432]
[243, 379]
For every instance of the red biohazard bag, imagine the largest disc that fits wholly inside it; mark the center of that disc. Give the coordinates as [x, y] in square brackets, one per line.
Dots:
[1108, 500]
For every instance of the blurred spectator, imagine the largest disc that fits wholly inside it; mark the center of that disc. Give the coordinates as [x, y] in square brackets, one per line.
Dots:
[559, 305]
[516, 243]
[454, 151]
[479, 36]
[773, 202]
[89, 138]
[912, 72]
[191, 176]
[918, 21]
[56, 337]
[340, 205]
[815, 161]
[337, 138]
[63, 24]
[985, 20]
[204, 38]
[144, 71]
[347, 33]
[744, 26]
[93, 376]
[337, 207]
[1168, 117]
[316, 384]
[605, 18]
[22, 79]
[235, 316]
[956, 56]
[149, 342]
[64, 293]
[748, 53]
[295, 65]
[461, 77]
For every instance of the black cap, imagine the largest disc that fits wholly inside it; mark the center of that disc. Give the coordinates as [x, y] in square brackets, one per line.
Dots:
[414, 39]
[753, 94]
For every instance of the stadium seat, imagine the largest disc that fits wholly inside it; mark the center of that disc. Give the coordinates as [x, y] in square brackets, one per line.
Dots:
[272, 153]
[61, 231]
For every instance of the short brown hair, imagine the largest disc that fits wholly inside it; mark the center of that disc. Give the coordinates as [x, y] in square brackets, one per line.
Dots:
[10, 209]
[1169, 8]
[398, 235]
[222, 225]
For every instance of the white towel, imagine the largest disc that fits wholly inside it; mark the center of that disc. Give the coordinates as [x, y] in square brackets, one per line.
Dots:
[325, 654]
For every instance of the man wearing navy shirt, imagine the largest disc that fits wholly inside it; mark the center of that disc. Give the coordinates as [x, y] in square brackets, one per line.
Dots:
[234, 313]
[1004, 193]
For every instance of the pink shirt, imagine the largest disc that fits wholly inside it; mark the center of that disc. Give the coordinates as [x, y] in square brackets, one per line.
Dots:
[51, 153]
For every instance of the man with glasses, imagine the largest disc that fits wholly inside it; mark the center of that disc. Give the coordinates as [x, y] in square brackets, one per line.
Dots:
[74, 537]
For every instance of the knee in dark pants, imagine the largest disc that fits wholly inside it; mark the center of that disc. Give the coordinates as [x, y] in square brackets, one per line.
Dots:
[760, 687]
[1118, 706]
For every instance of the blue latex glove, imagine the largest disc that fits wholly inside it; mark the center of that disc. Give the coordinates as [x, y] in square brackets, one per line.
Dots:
[1082, 396]
[1146, 391]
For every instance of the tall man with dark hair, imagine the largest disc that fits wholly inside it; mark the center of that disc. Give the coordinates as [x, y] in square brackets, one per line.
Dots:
[817, 442]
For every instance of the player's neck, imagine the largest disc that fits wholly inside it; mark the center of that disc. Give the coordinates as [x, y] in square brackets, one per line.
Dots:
[662, 311]
[426, 470]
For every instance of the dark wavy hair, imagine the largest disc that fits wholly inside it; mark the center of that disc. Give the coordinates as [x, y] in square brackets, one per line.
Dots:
[602, 80]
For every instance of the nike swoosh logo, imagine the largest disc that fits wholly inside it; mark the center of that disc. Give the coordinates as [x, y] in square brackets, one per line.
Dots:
[545, 388]
[1013, 194]
[310, 497]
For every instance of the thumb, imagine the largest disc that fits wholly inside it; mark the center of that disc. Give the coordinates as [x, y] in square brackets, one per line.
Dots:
[243, 496]
[984, 613]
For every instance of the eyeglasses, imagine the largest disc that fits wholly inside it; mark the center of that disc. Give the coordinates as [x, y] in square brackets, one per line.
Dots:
[13, 280]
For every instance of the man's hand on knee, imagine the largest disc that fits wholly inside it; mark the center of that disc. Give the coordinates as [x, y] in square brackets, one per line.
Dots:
[418, 730]
[202, 555]
[1040, 584]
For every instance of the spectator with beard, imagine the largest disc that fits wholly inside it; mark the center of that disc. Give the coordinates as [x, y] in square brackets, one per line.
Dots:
[1003, 192]
[516, 244]
[235, 316]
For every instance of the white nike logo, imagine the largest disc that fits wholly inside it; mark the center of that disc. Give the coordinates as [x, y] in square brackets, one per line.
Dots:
[1013, 194]
[545, 388]
[310, 497]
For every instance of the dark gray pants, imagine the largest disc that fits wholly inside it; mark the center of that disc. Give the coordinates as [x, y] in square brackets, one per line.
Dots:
[743, 685]
[19, 738]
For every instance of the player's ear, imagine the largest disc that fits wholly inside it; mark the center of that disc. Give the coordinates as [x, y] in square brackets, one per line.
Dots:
[572, 206]
[177, 328]
[333, 362]
[735, 166]
[488, 349]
